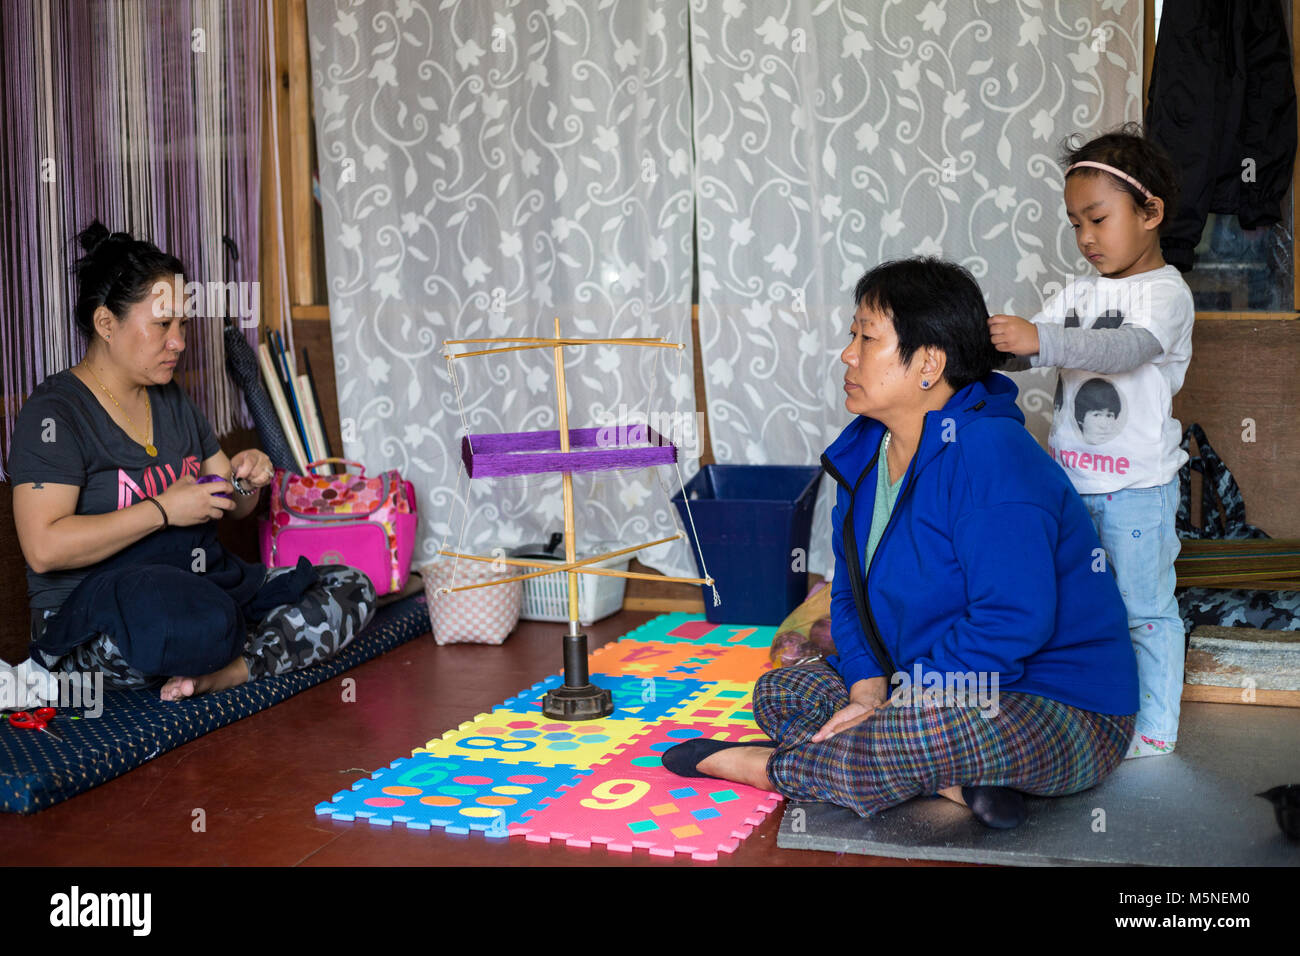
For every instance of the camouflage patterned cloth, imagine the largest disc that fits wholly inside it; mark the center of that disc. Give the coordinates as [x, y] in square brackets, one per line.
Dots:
[1222, 507]
[330, 614]
[1224, 512]
[1239, 607]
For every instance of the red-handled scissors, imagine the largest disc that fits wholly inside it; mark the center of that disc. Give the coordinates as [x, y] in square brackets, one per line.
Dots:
[35, 720]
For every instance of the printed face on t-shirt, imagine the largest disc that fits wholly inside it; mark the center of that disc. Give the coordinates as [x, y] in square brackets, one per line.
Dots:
[1100, 425]
[1097, 410]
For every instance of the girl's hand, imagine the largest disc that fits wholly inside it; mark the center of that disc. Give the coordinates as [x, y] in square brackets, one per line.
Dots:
[253, 466]
[1010, 333]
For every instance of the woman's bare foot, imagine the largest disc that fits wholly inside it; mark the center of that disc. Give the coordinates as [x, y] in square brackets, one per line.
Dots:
[740, 765]
[998, 807]
[953, 794]
[232, 675]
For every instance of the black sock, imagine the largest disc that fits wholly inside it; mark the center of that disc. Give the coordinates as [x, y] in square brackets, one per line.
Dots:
[999, 807]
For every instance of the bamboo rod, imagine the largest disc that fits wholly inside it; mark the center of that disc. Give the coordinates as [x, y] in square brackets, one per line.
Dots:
[512, 562]
[578, 567]
[521, 348]
[592, 560]
[490, 584]
[603, 572]
[525, 338]
[570, 547]
[641, 576]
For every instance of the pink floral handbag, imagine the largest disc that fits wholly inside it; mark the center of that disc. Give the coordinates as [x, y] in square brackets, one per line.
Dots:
[365, 523]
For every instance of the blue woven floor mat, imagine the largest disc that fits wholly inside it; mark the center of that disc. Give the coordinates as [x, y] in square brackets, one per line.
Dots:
[36, 771]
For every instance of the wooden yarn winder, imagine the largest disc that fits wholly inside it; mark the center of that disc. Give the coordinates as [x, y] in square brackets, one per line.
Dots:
[566, 451]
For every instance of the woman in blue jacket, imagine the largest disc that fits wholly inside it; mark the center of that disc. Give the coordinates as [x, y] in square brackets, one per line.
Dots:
[983, 646]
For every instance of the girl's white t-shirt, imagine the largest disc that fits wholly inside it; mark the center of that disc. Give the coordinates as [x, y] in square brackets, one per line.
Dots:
[1111, 432]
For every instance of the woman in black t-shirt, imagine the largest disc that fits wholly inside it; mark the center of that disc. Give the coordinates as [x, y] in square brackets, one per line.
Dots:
[105, 461]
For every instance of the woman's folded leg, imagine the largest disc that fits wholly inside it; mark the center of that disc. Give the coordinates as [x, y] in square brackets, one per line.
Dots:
[102, 655]
[326, 619]
[1032, 744]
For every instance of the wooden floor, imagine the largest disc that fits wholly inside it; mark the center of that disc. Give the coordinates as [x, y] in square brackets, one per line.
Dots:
[257, 780]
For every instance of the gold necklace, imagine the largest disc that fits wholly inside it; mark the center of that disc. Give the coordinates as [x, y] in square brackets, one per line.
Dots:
[153, 452]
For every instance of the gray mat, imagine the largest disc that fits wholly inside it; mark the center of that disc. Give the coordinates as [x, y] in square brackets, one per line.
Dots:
[1194, 807]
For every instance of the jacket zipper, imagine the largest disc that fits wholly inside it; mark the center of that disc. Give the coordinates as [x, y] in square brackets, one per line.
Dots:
[861, 599]
[865, 618]
[889, 522]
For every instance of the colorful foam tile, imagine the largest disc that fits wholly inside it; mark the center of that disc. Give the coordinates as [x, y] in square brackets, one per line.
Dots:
[680, 661]
[627, 658]
[533, 739]
[737, 664]
[627, 806]
[635, 698]
[719, 702]
[451, 793]
[650, 698]
[645, 753]
[680, 627]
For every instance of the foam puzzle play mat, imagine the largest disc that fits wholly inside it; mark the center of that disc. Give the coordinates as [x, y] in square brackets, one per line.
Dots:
[514, 773]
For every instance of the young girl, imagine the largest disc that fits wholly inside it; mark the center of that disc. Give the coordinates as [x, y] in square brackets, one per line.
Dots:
[1122, 340]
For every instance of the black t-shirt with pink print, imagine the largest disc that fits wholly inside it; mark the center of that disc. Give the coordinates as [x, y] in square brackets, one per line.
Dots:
[63, 435]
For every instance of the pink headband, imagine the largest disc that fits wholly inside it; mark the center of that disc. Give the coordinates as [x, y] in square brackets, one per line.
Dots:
[1111, 169]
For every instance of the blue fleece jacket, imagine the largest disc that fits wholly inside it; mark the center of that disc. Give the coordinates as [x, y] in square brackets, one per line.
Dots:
[989, 562]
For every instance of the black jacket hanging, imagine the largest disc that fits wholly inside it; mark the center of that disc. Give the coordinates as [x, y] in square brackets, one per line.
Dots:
[1222, 103]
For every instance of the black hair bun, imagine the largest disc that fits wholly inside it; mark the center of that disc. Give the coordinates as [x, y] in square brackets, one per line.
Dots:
[92, 236]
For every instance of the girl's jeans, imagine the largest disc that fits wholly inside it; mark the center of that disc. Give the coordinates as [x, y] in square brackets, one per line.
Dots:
[1136, 527]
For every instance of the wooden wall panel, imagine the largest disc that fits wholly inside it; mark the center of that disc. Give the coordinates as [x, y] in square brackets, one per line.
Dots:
[1249, 370]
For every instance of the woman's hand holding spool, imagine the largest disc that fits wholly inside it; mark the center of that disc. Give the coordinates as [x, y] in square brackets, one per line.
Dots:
[189, 502]
[253, 467]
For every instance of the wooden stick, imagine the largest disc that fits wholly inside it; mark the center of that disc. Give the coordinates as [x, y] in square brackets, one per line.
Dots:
[512, 562]
[302, 290]
[641, 575]
[570, 548]
[306, 394]
[607, 572]
[489, 584]
[542, 345]
[592, 560]
[578, 567]
[272, 382]
[546, 341]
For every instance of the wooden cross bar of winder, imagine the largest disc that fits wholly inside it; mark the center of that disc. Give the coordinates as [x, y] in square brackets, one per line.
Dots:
[580, 567]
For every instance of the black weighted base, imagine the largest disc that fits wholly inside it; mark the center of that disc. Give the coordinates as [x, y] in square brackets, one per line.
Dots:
[587, 702]
[578, 698]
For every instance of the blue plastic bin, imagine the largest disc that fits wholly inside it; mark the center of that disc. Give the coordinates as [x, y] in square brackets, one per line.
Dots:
[749, 520]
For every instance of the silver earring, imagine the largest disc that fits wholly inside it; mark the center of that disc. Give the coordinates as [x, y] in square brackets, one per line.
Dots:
[925, 384]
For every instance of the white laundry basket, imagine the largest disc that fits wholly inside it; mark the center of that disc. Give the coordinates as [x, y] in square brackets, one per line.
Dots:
[546, 598]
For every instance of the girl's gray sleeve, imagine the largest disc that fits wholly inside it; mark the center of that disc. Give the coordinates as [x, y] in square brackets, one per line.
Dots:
[1108, 351]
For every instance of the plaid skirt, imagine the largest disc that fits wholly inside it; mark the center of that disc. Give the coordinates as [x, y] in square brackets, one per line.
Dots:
[1032, 744]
